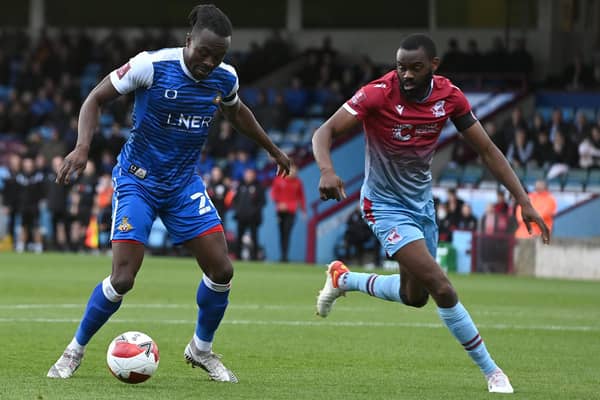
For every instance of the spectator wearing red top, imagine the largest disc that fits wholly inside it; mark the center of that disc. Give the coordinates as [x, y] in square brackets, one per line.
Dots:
[288, 195]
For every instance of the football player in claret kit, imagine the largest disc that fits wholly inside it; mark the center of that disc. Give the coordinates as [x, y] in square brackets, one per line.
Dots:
[177, 92]
[402, 114]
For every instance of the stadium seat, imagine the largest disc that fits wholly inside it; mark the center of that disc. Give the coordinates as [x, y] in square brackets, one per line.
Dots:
[485, 184]
[568, 114]
[450, 176]
[4, 92]
[249, 95]
[294, 138]
[472, 174]
[593, 182]
[297, 125]
[315, 109]
[533, 174]
[276, 136]
[520, 172]
[594, 176]
[313, 124]
[576, 180]
[545, 112]
[556, 184]
[157, 240]
[589, 113]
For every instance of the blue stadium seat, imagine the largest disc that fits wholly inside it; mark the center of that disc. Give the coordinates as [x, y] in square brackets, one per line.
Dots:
[315, 109]
[4, 92]
[106, 120]
[249, 95]
[297, 125]
[472, 174]
[314, 123]
[589, 113]
[294, 138]
[556, 184]
[157, 240]
[545, 112]
[533, 174]
[450, 176]
[593, 182]
[576, 180]
[568, 114]
[275, 135]
[520, 172]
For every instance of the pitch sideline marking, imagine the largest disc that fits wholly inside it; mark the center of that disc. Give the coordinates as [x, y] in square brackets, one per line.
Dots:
[81, 306]
[369, 324]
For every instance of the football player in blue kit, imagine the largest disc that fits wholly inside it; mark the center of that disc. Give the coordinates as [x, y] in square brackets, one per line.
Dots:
[177, 93]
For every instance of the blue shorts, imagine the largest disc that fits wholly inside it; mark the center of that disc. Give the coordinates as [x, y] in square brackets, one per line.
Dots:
[396, 226]
[186, 213]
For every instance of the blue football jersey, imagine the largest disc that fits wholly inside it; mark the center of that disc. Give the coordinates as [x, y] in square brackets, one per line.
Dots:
[171, 116]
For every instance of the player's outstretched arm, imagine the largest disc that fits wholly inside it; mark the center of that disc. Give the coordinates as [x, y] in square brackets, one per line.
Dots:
[74, 163]
[243, 121]
[493, 158]
[330, 185]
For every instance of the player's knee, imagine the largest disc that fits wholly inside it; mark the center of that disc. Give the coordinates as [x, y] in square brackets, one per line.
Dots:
[415, 301]
[122, 283]
[221, 274]
[444, 293]
[122, 277]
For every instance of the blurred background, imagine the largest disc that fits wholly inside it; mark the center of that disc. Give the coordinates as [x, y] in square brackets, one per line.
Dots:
[530, 68]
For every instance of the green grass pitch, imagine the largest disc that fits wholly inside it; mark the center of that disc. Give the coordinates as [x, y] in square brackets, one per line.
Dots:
[545, 334]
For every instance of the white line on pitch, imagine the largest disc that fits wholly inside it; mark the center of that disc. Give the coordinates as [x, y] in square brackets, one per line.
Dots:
[191, 306]
[564, 314]
[369, 324]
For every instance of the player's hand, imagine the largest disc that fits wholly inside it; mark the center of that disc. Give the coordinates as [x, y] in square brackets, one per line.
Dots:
[284, 164]
[529, 215]
[72, 166]
[331, 186]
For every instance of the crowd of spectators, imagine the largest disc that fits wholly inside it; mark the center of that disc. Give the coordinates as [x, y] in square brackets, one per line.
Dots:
[456, 214]
[496, 60]
[44, 81]
[553, 145]
[503, 65]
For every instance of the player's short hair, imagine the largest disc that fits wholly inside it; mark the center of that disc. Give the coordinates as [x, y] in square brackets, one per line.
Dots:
[208, 16]
[417, 40]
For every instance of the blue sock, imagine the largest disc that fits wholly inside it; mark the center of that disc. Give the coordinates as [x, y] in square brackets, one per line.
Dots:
[459, 322]
[212, 299]
[103, 303]
[386, 287]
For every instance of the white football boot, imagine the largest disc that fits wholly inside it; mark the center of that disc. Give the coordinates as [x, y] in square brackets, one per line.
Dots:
[330, 291]
[66, 365]
[210, 362]
[498, 382]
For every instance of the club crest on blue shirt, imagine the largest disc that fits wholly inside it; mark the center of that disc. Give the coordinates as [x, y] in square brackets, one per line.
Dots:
[125, 226]
[218, 98]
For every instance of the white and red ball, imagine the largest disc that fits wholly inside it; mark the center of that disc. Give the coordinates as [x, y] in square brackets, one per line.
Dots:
[132, 357]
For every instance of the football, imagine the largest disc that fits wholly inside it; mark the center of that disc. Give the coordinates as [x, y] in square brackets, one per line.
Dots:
[132, 357]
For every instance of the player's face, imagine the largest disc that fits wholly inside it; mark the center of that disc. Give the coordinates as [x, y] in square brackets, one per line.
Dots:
[415, 71]
[204, 51]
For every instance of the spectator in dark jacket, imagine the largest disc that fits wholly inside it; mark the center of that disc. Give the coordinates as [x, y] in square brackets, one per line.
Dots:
[29, 194]
[10, 193]
[81, 203]
[217, 189]
[248, 203]
[57, 205]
